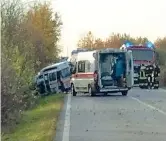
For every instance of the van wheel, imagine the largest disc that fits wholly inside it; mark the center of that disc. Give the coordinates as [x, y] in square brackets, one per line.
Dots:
[73, 92]
[91, 92]
[124, 93]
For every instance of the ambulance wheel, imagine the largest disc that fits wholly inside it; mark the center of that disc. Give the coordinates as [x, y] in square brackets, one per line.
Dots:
[124, 93]
[73, 92]
[141, 87]
[91, 92]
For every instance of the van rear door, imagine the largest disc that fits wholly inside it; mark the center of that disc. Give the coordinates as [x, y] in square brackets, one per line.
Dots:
[130, 69]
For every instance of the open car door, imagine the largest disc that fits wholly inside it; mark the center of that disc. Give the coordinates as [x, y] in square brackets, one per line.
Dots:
[130, 69]
[53, 81]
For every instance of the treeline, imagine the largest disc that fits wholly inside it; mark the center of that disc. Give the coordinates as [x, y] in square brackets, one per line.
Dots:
[90, 41]
[115, 41]
[29, 41]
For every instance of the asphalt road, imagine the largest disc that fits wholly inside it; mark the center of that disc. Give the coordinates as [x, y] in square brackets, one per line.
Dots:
[139, 116]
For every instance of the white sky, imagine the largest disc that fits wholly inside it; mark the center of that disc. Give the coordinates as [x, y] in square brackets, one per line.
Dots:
[102, 17]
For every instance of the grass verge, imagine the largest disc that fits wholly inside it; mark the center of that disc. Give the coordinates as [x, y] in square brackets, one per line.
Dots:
[39, 123]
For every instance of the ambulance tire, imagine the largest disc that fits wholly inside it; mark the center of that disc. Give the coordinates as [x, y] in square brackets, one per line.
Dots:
[73, 92]
[141, 87]
[124, 93]
[92, 93]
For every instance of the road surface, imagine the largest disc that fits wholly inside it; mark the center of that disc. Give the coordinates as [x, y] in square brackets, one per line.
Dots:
[139, 116]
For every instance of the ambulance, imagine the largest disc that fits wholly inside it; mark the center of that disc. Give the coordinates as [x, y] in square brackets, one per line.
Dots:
[93, 72]
[54, 77]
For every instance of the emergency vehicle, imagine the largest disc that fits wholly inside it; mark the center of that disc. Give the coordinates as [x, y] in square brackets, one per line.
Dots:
[52, 75]
[93, 75]
[142, 54]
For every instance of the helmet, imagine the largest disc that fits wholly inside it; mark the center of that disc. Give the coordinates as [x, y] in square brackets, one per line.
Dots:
[123, 47]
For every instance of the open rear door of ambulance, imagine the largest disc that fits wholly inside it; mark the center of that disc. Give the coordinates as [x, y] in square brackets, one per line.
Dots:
[130, 69]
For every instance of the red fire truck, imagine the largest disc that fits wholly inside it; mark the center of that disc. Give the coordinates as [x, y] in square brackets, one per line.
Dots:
[142, 54]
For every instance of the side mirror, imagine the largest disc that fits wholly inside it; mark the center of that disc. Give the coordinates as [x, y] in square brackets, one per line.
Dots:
[94, 55]
[74, 71]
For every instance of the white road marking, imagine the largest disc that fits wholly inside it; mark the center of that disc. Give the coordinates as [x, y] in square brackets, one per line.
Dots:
[67, 120]
[149, 106]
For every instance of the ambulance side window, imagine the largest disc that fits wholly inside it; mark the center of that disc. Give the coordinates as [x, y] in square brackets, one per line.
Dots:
[81, 66]
[40, 77]
[73, 70]
[88, 66]
[46, 76]
[52, 76]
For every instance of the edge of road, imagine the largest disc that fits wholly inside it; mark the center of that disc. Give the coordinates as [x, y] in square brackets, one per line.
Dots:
[61, 121]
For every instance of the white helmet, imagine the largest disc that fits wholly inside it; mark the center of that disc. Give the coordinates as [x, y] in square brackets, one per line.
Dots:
[123, 47]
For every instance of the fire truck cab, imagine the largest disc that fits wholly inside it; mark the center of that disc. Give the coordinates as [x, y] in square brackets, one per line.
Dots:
[142, 54]
[146, 69]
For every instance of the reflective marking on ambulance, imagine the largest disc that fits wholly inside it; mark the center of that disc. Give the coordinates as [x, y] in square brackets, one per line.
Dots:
[83, 75]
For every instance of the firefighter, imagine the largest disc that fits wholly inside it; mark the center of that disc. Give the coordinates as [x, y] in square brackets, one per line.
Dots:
[156, 75]
[142, 77]
[150, 75]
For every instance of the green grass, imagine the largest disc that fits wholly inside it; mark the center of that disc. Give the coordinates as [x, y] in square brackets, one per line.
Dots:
[38, 124]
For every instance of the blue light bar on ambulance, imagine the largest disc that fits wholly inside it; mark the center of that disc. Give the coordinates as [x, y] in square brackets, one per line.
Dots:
[149, 45]
[128, 44]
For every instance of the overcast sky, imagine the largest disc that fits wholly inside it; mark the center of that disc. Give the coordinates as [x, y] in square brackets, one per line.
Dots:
[135, 17]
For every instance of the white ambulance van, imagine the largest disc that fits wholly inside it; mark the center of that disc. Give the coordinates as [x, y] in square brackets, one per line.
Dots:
[94, 72]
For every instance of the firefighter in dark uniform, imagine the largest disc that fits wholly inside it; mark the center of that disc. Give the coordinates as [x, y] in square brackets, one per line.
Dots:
[156, 76]
[150, 76]
[142, 77]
